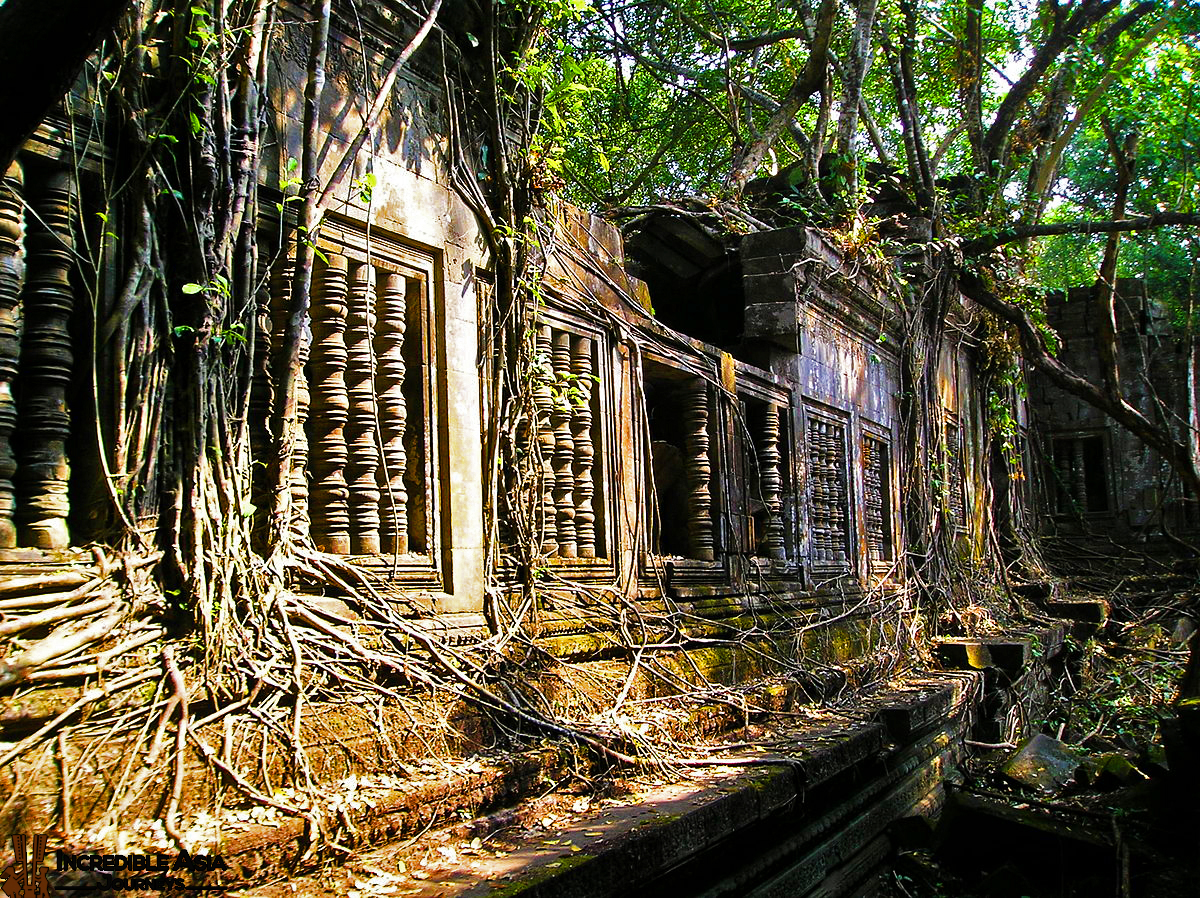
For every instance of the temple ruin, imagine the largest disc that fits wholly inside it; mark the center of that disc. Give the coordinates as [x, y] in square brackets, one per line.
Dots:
[717, 433]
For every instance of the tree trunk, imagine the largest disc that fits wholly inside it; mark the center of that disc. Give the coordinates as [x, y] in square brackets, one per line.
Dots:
[855, 71]
[802, 88]
[287, 363]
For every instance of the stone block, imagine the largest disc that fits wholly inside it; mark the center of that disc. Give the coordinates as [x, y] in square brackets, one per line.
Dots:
[904, 719]
[775, 322]
[779, 242]
[1043, 764]
[769, 288]
[1008, 655]
[1091, 611]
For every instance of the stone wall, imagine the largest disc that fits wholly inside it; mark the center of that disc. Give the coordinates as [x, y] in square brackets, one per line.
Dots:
[767, 465]
[1096, 479]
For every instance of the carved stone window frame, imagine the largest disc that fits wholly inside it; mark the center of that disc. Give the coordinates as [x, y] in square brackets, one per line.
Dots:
[813, 412]
[421, 268]
[693, 573]
[870, 430]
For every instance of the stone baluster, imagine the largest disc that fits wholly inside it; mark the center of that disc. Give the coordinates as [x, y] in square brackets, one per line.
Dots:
[362, 450]
[543, 401]
[281, 300]
[771, 483]
[699, 471]
[816, 490]
[330, 407]
[12, 277]
[831, 492]
[837, 479]
[827, 492]
[561, 414]
[875, 498]
[585, 450]
[46, 363]
[393, 413]
[1078, 480]
[842, 509]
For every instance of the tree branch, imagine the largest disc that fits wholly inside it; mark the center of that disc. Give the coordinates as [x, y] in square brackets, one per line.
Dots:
[1062, 35]
[1050, 163]
[377, 106]
[802, 88]
[981, 245]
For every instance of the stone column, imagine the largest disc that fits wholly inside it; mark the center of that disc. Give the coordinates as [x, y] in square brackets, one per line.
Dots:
[12, 277]
[771, 483]
[585, 451]
[564, 446]
[46, 362]
[330, 408]
[361, 447]
[393, 413]
[699, 471]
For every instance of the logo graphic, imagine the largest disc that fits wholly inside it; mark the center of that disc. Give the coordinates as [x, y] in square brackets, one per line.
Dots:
[25, 877]
[183, 872]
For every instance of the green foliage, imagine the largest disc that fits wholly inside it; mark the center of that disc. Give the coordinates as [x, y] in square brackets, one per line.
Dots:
[1159, 98]
[1124, 689]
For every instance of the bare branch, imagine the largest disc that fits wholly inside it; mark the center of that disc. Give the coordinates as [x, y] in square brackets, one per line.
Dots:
[1063, 34]
[802, 88]
[982, 245]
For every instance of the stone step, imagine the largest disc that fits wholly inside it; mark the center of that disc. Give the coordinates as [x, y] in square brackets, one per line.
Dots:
[1082, 610]
[1009, 654]
[805, 812]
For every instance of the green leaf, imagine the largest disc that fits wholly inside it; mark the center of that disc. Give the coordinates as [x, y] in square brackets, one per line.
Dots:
[192, 289]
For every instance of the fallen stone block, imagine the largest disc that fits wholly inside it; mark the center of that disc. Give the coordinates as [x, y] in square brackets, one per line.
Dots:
[1042, 763]
[1008, 655]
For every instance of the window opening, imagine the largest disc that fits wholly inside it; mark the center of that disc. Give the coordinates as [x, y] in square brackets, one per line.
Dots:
[1079, 475]
[877, 498]
[828, 498]
[678, 408]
